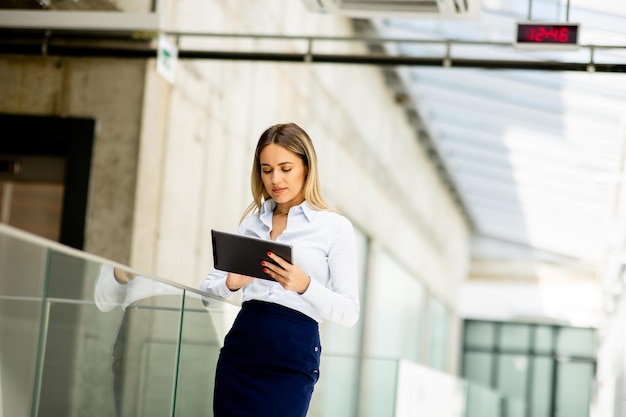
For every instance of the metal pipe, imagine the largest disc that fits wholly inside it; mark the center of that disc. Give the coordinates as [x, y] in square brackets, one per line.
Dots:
[378, 60]
[77, 44]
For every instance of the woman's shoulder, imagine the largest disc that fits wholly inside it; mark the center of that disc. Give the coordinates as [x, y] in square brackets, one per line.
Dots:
[335, 218]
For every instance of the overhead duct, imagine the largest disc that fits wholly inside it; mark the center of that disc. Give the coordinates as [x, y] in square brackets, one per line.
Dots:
[414, 9]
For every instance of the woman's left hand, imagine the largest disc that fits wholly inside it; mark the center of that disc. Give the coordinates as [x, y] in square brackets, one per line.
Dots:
[290, 276]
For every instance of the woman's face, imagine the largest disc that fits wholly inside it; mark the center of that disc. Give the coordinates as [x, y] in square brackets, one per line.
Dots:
[283, 174]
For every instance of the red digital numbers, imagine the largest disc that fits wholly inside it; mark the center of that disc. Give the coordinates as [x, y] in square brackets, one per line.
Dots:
[547, 34]
[534, 33]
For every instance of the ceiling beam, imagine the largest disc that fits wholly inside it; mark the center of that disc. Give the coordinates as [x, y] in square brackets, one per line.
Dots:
[48, 42]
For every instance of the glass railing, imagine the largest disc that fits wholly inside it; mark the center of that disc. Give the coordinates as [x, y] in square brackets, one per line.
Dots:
[76, 342]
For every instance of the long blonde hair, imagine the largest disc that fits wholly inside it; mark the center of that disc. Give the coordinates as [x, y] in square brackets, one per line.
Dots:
[294, 138]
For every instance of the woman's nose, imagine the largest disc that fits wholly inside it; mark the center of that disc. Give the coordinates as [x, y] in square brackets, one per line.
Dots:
[275, 177]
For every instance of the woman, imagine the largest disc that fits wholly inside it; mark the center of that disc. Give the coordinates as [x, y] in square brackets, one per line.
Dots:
[270, 359]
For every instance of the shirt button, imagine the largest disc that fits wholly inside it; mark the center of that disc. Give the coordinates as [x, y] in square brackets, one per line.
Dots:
[316, 348]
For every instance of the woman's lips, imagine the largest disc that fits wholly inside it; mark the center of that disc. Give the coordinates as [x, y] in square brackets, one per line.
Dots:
[278, 190]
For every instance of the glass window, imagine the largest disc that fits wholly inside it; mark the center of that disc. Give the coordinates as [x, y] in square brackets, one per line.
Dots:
[573, 388]
[514, 337]
[544, 339]
[378, 387]
[524, 366]
[512, 375]
[541, 387]
[439, 318]
[482, 402]
[478, 367]
[479, 335]
[394, 311]
[575, 342]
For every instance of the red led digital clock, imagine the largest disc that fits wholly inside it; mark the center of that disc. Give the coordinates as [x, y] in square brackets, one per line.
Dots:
[532, 35]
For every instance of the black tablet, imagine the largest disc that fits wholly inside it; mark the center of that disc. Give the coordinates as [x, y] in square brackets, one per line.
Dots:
[243, 254]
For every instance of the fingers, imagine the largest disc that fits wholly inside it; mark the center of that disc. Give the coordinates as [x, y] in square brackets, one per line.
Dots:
[271, 269]
[280, 267]
[289, 276]
[280, 261]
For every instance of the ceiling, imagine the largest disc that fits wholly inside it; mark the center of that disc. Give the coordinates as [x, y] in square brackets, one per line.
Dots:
[535, 155]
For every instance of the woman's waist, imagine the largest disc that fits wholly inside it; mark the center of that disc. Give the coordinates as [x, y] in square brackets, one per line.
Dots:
[280, 309]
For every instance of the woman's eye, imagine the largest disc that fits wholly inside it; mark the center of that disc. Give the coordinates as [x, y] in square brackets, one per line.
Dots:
[286, 170]
[266, 172]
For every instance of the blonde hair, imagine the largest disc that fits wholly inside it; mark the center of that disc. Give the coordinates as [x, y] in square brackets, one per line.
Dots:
[294, 138]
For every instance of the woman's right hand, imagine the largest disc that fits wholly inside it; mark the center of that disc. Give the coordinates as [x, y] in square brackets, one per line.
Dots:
[236, 281]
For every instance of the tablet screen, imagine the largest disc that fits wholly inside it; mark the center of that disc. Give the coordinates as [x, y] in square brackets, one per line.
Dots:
[243, 254]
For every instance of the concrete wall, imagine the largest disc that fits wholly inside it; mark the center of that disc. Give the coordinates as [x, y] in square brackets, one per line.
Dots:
[108, 90]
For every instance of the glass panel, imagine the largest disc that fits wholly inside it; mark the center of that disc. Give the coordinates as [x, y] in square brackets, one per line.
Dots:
[514, 337]
[479, 335]
[512, 375]
[512, 381]
[76, 375]
[576, 342]
[394, 312]
[573, 390]
[478, 367]
[109, 345]
[541, 387]
[534, 397]
[202, 338]
[378, 387]
[438, 338]
[482, 402]
[423, 391]
[22, 283]
[109, 342]
[336, 393]
[544, 339]
[515, 408]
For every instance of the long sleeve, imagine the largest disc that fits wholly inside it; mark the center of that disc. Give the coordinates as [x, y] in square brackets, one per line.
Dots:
[109, 293]
[340, 302]
[215, 283]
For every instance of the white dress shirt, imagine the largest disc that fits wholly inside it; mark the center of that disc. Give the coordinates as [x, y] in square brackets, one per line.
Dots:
[324, 246]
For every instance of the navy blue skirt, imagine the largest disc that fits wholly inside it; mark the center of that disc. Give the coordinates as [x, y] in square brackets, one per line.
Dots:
[269, 363]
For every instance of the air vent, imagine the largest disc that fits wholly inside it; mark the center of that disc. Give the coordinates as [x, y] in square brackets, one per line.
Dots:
[416, 9]
[424, 6]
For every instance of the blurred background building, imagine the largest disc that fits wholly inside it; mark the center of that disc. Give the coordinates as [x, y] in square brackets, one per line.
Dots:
[482, 172]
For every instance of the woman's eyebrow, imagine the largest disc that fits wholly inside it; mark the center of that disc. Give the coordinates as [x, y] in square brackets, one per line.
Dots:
[279, 164]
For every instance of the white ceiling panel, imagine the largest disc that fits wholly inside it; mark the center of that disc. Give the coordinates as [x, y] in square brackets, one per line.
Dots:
[535, 155]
